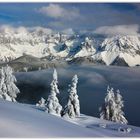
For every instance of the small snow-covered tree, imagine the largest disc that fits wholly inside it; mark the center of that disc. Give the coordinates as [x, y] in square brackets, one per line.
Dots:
[41, 103]
[72, 109]
[52, 105]
[68, 111]
[8, 89]
[118, 112]
[112, 108]
[107, 109]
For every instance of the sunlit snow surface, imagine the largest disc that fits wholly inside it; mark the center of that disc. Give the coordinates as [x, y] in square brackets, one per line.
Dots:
[20, 120]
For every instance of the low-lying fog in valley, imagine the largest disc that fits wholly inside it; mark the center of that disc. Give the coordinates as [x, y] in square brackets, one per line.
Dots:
[92, 85]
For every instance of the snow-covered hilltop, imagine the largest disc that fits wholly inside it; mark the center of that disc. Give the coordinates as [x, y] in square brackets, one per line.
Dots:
[21, 120]
[41, 42]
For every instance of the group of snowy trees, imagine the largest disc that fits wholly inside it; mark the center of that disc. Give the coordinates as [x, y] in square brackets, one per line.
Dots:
[112, 108]
[52, 105]
[8, 89]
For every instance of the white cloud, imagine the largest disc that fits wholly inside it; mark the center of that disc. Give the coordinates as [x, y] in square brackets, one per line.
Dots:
[41, 29]
[21, 29]
[11, 29]
[6, 28]
[118, 30]
[57, 25]
[68, 31]
[58, 12]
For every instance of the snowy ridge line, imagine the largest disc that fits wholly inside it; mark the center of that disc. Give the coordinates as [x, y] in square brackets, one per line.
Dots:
[115, 50]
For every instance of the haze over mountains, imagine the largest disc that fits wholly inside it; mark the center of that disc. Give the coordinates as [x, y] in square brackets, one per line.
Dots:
[47, 45]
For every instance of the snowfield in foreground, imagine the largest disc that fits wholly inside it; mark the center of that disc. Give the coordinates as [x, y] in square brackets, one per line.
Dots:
[22, 120]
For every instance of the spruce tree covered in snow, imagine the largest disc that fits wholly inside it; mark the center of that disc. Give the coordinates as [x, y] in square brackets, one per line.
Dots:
[112, 108]
[72, 109]
[118, 112]
[3, 88]
[68, 111]
[8, 89]
[52, 104]
[108, 107]
[41, 103]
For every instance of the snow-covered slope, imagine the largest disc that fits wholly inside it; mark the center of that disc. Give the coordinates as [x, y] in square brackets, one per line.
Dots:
[108, 129]
[40, 44]
[20, 120]
[125, 47]
[86, 48]
[14, 45]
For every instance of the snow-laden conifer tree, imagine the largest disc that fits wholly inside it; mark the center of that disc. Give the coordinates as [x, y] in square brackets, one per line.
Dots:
[112, 108]
[72, 109]
[118, 112]
[3, 89]
[8, 89]
[68, 111]
[52, 105]
[107, 109]
[41, 103]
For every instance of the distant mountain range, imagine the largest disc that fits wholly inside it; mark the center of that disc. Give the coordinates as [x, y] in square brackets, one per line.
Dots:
[72, 49]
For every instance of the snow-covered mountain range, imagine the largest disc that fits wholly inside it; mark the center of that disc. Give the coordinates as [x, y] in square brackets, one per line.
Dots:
[115, 50]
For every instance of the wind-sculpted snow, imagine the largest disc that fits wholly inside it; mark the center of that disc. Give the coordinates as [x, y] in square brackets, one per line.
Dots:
[93, 81]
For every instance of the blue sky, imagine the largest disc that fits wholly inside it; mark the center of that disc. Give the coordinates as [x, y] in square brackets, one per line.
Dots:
[79, 16]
